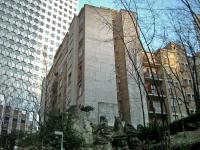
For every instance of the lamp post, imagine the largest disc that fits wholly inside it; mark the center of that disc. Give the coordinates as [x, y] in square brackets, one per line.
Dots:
[61, 134]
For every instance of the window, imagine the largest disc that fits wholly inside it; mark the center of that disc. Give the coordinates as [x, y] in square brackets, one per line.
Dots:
[58, 31]
[69, 78]
[80, 90]
[54, 22]
[190, 82]
[188, 97]
[153, 89]
[49, 13]
[185, 82]
[42, 16]
[50, 7]
[51, 49]
[55, 10]
[50, 56]
[36, 68]
[45, 46]
[192, 98]
[52, 35]
[41, 30]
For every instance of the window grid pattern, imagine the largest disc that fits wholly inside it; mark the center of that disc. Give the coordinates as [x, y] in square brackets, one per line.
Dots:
[29, 28]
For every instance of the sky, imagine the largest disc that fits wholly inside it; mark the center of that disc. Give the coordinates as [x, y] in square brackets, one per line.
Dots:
[111, 4]
[162, 9]
[104, 3]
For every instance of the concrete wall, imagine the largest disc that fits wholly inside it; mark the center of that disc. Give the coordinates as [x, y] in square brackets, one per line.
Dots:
[133, 47]
[100, 78]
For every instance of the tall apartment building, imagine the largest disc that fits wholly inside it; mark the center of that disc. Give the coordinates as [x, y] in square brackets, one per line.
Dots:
[174, 82]
[178, 81]
[91, 67]
[155, 87]
[31, 31]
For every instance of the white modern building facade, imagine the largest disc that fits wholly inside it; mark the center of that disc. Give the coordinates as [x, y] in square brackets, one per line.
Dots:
[31, 31]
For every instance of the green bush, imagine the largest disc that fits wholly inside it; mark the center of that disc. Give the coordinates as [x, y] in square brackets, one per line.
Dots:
[152, 132]
[177, 126]
[46, 136]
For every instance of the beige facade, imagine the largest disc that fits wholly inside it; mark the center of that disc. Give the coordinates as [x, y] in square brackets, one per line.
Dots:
[173, 74]
[92, 67]
[155, 87]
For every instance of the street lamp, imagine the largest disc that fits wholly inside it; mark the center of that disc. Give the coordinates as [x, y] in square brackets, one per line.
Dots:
[60, 133]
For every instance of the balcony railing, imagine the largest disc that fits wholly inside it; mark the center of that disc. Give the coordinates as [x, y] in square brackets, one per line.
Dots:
[155, 93]
[157, 110]
[157, 77]
[153, 62]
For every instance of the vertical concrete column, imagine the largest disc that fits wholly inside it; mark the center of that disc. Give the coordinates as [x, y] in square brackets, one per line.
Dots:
[1, 118]
[19, 120]
[27, 121]
[10, 120]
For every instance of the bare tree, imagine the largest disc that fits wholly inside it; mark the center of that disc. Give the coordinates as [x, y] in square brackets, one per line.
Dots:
[185, 24]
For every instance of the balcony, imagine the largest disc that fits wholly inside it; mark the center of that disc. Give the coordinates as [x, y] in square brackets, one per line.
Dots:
[149, 76]
[156, 107]
[157, 112]
[154, 93]
[146, 64]
[153, 62]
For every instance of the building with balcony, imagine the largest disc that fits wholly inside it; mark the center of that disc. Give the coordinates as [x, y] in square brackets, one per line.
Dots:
[173, 80]
[31, 31]
[155, 87]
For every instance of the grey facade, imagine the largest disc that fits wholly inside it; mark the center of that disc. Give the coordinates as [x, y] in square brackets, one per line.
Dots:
[13, 119]
[31, 31]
